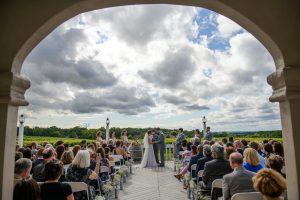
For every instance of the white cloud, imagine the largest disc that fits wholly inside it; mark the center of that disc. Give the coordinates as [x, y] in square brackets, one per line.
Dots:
[113, 62]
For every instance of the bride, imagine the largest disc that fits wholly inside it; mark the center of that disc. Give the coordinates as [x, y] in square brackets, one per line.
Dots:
[148, 158]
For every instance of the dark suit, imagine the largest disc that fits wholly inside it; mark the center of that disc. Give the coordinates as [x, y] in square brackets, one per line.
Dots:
[155, 147]
[215, 169]
[240, 180]
[194, 160]
[201, 162]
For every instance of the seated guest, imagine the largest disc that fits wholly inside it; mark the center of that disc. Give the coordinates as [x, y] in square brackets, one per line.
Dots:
[278, 149]
[276, 162]
[239, 147]
[52, 188]
[119, 150]
[207, 157]
[18, 155]
[75, 149]
[105, 163]
[83, 144]
[195, 158]
[79, 171]
[270, 183]
[27, 189]
[39, 159]
[240, 180]
[268, 150]
[229, 151]
[107, 154]
[27, 153]
[67, 158]
[251, 160]
[110, 145]
[38, 171]
[22, 169]
[59, 151]
[215, 168]
[231, 141]
[255, 146]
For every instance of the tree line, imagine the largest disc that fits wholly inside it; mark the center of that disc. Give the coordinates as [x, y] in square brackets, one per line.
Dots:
[132, 133]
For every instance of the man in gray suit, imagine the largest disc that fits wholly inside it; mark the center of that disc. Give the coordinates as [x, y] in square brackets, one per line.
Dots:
[155, 145]
[161, 146]
[240, 180]
[178, 141]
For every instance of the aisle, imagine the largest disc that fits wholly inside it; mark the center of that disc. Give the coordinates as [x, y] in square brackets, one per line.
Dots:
[154, 184]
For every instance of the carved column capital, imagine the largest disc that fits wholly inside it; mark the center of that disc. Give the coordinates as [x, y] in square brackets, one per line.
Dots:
[285, 84]
[13, 88]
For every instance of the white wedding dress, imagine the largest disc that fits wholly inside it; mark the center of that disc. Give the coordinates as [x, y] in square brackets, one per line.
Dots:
[148, 158]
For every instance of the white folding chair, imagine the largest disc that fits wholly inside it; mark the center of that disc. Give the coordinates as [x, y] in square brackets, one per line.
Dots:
[217, 183]
[247, 196]
[199, 174]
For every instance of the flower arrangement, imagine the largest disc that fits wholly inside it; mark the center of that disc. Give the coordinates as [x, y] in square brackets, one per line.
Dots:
[116, 179]
[98, 197]
[122, 171]
[192, 185]
[107, 188]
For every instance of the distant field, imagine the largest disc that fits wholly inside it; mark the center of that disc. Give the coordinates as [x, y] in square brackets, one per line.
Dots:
[73, 141]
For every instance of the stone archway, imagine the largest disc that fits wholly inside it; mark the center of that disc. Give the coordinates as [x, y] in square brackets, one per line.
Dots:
[27, 23]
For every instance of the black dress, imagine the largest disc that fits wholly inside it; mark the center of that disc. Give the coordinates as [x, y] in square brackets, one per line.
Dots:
[57, 191]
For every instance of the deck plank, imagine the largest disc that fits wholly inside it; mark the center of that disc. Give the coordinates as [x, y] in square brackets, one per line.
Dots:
[152, 184]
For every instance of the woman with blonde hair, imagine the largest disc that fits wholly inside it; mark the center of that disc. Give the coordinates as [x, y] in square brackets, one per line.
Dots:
[251, 160]
[270, 183]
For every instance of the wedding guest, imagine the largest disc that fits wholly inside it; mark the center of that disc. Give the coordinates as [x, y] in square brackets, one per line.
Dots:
[67, 158]
[59, 151]
[240, 180]
[83, 144]
[99, 137]
[38, 160]
[268, 150]
[178, 141]
[207, 157]
[238, 146]
[79, 171]
[224, 141]
[107, 154]
[75, 149]
[231, 140]
[52, 188]
[120, 151]
[112, 135]
[270, 183]
[18, 155]
[209, 135]
[229, 150]
[38, 171]
[195, 159]
[251, 160]
[27, 153]
[255, 146]
[124, 137]
[27, 189]
[215, 168]
[22, 169]
[278, 149]
[276, 162]
[105, 163]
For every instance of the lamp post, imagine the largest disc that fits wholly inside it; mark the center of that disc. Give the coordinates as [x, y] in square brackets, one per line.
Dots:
[21, 130]
[204, 120]
[107, 129]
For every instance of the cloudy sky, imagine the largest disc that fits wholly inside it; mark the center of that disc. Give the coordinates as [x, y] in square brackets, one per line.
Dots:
[162, 66]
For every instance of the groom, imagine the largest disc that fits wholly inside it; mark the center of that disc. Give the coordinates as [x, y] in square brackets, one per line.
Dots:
[161, 146]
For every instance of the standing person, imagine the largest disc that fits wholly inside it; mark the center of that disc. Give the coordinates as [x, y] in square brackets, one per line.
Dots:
[162, 146]
[124, 138]
[155, 145]
[209, 134]
[148, 158]
[178, 141]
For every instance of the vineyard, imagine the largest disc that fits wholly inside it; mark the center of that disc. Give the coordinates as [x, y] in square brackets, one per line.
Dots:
[73, 141]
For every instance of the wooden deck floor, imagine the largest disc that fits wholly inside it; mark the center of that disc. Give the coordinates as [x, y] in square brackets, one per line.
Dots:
[154, 184]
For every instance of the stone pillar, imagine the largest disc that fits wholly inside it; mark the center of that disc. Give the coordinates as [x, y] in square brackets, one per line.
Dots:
[12, 89]
[286, 91]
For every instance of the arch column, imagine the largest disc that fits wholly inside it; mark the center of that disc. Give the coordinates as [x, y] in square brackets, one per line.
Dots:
[12, 90]
[286, 91]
